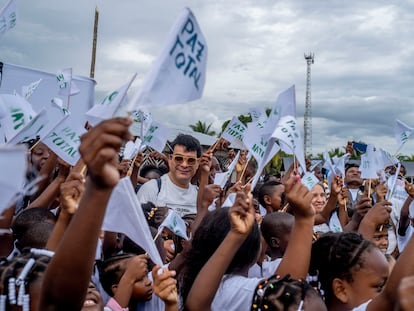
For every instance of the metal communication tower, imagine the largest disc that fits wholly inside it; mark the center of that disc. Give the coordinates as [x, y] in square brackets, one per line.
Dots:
[307, 120]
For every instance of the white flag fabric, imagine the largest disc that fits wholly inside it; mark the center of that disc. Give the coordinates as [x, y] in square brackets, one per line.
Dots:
[141, 122]
[285, 106]
[259, 117]
[221, 179]
[370, 165]
[175, 223]
[64, 140]
[156, 136]
[8, 16]
[131, 149]
[15, 113]
[402, 132]
[58, 103]
[179, 73]
[28, 90]
[262, 150]
[231, 198]
[288, 132]
[110, 104]
[309, 180]
[388, 158]
[234, 133]
[124, 214]
[13, 77]
[35, 128]
[67, 87]
[13, 165]
[339, 164]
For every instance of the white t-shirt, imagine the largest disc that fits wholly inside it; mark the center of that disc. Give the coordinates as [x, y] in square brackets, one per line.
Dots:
[181, 200]
[267, 270]
[362, 307]
[402, 240]
[235, 293]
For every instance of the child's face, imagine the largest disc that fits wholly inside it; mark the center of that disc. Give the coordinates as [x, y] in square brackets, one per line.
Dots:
[142, 289]
[369, 280]
[93, 299]
[380, 239]
[276, 197]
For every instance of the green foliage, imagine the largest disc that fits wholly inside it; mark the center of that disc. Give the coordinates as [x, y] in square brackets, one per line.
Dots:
[202, 127]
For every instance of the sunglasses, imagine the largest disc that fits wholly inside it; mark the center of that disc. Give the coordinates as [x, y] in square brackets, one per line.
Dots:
[180, 159]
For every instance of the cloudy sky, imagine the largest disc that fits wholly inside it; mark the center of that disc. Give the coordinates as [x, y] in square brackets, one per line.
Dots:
[362, 78]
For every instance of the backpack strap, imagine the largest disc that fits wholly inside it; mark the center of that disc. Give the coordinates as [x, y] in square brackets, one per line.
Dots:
[159, 185]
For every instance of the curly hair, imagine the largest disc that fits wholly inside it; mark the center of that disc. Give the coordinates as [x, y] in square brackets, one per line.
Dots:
[207, 238]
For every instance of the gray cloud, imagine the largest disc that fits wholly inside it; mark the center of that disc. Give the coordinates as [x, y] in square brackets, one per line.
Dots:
[362, 79]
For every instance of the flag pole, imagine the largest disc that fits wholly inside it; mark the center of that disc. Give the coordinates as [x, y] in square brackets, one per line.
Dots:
[94, 41]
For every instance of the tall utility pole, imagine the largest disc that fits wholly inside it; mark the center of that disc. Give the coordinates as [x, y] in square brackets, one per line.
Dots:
[94, 41]
[307, 120]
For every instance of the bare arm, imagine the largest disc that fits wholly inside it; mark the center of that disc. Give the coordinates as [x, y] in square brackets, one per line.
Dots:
[296, 259]
[208, 280]
[67, 277]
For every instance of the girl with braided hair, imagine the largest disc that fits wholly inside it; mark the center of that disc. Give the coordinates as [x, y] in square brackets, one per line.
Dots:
[20, 280]
[354, 275]
[215, 273]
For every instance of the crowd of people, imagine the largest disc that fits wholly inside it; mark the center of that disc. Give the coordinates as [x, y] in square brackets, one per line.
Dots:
[279, 246]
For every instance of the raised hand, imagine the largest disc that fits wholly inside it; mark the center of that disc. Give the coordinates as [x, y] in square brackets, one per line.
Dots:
[164, 285]
[99, 150]
[299, 197]
[71, 192]
[241, 214]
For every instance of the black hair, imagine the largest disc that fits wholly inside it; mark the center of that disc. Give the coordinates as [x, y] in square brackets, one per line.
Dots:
[276, 294]
[154, 215]
[150, 168]
[189, 142]
[337, 255]
[267, 189]
[211, 232]
[28, 218]
[276, 225]
[350, 165]
[111, 271]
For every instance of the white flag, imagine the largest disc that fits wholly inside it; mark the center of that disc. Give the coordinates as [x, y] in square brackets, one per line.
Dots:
[234, 133]
[402, 132]
[28, 90]
[64, 140]
[35, 128]
[131, 149]
[285, 106]
[262, 150]
[15, 113]
[8, 16]
[108, 107]
[175, 223]
[124, 214]
[156, 136]
[67, 87]
[179, 73]
[13, 165]
[369, 164]
[13, 77]
[309, 180]
[222, 178]
[259, 117]
[288, 133]
[141, 122]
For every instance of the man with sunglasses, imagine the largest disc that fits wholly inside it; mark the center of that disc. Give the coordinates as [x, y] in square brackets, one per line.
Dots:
[174, 189]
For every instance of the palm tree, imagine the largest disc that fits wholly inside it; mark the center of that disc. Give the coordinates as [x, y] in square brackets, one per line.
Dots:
[202, 127]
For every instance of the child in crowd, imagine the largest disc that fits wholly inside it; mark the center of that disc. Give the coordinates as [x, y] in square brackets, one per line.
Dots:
[224, 247]
[124, 278]
[354, 273]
